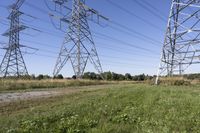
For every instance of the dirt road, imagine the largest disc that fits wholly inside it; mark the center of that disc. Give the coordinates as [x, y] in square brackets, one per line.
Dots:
[9, 97]
[14, 96]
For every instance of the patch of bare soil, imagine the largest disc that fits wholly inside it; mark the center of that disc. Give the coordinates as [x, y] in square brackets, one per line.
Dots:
[10, 97]
[15, 96]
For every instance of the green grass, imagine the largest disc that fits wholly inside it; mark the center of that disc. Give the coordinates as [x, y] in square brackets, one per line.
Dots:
[115, 109]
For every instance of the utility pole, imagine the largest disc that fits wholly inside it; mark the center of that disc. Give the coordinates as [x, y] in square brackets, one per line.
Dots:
[13, 63]
[181, 45]
[78, 46]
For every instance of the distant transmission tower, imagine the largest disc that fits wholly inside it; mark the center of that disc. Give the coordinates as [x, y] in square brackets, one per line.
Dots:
[78, 46]
[13, 62]
[181, 46]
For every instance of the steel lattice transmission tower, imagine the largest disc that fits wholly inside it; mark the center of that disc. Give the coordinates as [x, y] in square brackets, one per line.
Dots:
[13, 62]
[78, 46]
[181, 46]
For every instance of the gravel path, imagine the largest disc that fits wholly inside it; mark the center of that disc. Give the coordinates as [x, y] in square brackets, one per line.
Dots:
[10, 97]
[14, 96]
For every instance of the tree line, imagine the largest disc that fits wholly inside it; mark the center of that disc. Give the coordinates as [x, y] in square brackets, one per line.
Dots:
[106, 75]
[91, 76]
[115, 76]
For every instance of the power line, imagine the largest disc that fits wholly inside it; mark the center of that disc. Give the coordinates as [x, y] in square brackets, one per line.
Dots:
[148, 9]
[46, 31]
[137, 47]
[36, 7]
[108, 48]
[109, 37]
[135, 32]
[115, 23]
[151, 40]
[125, 43]
[43, 44]
[36, 28]
[114, 62]
[128, 53]
[124, 52]
[142, 38]
[153, 7]
[133, 14]
[50, 32]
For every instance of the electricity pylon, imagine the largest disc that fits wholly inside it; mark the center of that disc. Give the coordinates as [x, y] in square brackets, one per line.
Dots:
[13, 63]
[78, 46]
[182, 39]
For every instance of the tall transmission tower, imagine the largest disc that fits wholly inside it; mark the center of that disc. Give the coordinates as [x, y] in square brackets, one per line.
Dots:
[78, 46]
[181, 46]
[13, 63]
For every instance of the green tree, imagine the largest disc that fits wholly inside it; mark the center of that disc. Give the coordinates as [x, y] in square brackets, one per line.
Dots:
[128, 76]
[46, 77]
[59, 76]
[121, 77]
[40, 77]
[74, 77]
[86, 75]
[93, 76]
[107, 75]
[141, 77]
[115, 76]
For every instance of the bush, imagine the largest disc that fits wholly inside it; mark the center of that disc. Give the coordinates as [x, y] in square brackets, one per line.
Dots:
[40, 77]
[59, 76]
[176, 82]
[181, 82]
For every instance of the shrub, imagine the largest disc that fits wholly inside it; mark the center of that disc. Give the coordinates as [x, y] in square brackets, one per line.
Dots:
[59, 76]
[176, 82]
[181, 82]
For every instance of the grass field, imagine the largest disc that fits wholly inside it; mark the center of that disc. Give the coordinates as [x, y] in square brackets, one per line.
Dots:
[13, 85]
[114, 109]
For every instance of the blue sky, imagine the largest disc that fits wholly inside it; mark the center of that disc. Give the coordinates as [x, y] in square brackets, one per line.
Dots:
[117, 56]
